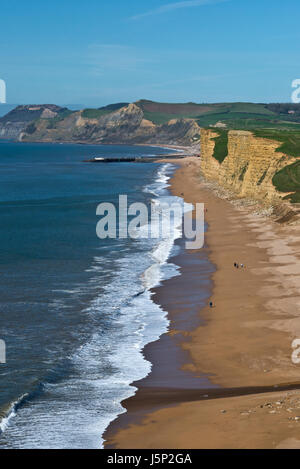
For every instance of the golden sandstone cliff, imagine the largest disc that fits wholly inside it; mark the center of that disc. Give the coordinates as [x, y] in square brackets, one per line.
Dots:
[248, 169]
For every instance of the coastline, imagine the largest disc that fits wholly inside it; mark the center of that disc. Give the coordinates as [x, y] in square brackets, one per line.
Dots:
[243, 342]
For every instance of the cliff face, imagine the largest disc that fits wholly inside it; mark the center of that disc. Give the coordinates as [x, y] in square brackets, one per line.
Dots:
[11, 131]
[125, 125]
[249, 167]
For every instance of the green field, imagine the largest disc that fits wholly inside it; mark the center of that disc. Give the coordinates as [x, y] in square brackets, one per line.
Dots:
[161, 113]
[289, 138]
[243, 116]
[288, 180]
[91, 113]
[94, 113]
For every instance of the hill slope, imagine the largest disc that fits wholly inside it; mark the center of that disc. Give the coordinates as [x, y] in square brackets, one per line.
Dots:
[120, 123]
[18, 119]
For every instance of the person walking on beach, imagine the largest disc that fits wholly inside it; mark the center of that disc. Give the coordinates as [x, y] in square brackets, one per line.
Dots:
[210, 304]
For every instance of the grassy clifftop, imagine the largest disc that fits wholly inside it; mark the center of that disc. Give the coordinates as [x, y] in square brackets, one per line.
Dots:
[289, 139]
[288, 180]
[92, 113]
[239, 116]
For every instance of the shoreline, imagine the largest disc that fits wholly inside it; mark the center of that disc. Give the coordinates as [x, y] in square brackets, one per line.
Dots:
[166, 373]
[243, 342]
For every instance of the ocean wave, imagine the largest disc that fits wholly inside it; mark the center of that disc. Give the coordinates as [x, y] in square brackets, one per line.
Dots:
[9, 411]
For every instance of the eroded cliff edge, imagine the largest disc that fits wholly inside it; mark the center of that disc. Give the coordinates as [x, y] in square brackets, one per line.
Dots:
[247, 169]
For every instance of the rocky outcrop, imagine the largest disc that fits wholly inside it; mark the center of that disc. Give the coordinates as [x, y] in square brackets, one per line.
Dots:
[14, 123]
[249, 167]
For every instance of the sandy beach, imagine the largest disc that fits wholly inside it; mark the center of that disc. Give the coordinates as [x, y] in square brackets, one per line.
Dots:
[223, 377]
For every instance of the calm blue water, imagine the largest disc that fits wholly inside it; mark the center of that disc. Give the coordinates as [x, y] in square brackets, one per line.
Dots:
[75, 311]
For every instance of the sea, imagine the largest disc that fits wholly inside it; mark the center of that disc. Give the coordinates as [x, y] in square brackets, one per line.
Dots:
[75, 310]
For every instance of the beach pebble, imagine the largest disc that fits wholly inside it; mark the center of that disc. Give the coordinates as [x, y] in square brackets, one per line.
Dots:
[223, 411]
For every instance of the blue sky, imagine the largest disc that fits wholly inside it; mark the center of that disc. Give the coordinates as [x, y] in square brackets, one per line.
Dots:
[96, 52]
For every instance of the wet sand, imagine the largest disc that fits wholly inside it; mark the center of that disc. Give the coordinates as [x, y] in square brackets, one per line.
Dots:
[214, 370]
